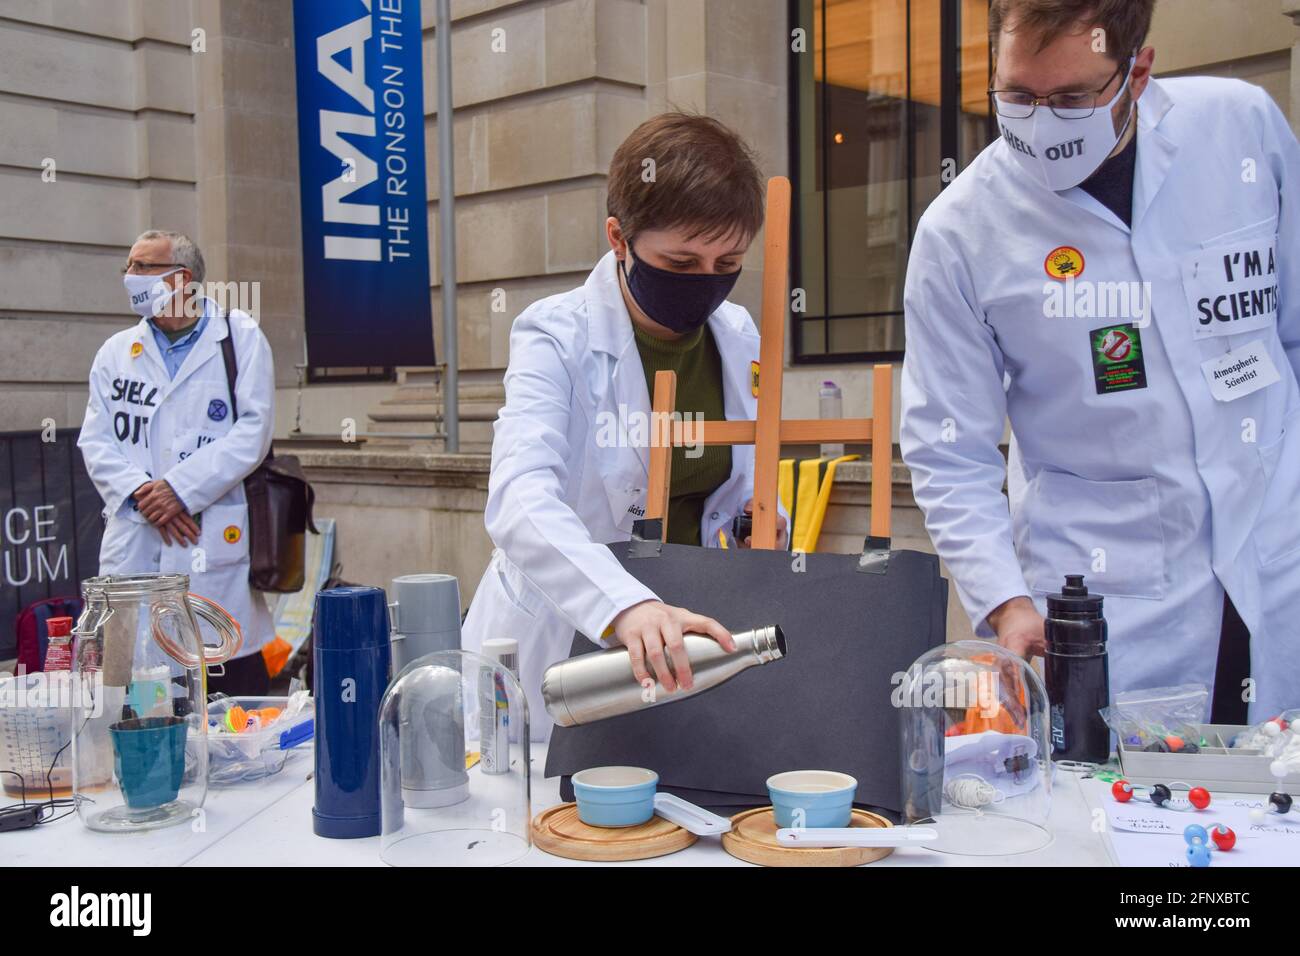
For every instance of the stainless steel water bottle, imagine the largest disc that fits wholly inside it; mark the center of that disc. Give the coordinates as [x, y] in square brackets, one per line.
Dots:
[1077, 672]
[595, 686]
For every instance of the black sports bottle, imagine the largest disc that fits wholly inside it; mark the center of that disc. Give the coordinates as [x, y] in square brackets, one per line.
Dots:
[1078, 677]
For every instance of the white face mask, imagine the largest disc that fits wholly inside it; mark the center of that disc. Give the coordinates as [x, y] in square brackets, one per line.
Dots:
[1061, 153]
[149, 294]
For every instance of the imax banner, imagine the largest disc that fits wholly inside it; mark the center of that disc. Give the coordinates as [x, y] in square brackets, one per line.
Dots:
[365, 234]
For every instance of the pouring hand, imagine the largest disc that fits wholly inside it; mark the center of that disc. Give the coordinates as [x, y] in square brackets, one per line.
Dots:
[651, 628]
[1019, 627]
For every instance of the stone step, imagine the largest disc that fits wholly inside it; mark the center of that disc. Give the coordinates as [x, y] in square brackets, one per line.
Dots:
[426, 411]
[431, 393]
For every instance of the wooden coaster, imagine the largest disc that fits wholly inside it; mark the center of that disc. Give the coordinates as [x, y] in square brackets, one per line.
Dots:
[753, 839]
[558, 831]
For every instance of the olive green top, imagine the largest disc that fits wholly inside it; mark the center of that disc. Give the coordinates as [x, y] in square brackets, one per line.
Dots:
[695, 359]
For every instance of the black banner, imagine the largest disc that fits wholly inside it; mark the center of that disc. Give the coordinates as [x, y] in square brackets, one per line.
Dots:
[50, 523]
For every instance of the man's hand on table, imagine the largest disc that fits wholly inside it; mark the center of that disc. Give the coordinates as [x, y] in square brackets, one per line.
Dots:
[1019, 627]
[650, 630]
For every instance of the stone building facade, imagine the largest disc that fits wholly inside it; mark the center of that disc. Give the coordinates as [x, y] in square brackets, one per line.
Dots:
[122, 115]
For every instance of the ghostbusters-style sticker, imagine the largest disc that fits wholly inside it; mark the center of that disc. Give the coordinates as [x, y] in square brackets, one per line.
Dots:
[1117, 362]
[1064, 262]
[232, 534]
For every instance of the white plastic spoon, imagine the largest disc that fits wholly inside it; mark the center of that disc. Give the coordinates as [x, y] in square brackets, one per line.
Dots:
[855, 836]
[689, 817]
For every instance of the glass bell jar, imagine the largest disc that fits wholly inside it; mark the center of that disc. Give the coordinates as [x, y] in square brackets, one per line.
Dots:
[976, 750]
[454, 763]
[140, 722]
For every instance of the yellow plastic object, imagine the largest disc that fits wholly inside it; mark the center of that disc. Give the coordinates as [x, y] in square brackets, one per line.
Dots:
[807, 502]
[236, 719]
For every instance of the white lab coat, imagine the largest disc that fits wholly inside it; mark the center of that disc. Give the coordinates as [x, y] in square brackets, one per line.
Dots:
[140, 425]
[560, 489]
[1162, 496]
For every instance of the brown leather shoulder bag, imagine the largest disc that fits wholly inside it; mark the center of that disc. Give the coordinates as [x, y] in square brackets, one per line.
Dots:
[280, 501]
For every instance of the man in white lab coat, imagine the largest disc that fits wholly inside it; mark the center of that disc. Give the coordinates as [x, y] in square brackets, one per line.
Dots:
[1119, 273]
[163, 446]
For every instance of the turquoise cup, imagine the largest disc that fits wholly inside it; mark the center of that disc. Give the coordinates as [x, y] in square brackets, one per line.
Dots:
[809, 799]
[615, 796]
[149, 757]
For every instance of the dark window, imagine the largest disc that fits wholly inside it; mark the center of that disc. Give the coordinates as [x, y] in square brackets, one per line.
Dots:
[341, 374]
[884, 93]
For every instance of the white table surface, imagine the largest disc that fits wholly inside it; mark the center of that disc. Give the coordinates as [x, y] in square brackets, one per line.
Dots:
[268, 823]
[68, 842]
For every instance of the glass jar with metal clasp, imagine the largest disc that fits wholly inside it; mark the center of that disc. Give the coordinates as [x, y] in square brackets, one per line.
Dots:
[139, 718]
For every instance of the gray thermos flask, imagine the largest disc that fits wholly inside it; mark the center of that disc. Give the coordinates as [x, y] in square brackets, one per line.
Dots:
[424, 614]
[592, 687]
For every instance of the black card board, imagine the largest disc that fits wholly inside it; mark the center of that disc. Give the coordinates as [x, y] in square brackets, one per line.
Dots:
[825, 706]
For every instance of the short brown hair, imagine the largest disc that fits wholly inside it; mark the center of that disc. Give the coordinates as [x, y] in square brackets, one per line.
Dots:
[685, 170]
[1126, 22]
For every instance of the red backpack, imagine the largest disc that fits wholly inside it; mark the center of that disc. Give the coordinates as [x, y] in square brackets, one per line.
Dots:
[33, 635]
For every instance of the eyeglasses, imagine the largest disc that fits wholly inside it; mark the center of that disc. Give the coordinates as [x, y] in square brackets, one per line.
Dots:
[1019, 104]
[143, 268]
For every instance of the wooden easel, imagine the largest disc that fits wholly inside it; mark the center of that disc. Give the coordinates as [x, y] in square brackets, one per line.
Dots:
[769, 432]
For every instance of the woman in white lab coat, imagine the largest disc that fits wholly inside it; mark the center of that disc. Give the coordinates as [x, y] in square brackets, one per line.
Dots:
[570, 454]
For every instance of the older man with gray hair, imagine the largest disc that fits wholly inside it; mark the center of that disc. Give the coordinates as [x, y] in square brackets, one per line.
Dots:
[181, 411]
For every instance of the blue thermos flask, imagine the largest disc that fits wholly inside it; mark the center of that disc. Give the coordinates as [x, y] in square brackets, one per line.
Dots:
[350, 663]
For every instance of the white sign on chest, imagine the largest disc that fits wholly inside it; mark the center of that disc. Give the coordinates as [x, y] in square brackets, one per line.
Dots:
[1232, 288]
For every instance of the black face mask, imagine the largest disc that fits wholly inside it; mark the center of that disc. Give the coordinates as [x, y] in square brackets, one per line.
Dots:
[676, 300]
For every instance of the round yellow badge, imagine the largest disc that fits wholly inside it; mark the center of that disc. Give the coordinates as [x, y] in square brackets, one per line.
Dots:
[232, 534]
[1064, 262]
[136, 349]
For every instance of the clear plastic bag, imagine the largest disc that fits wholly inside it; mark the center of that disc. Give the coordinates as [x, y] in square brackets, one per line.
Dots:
[251, 737]
[1160, 719]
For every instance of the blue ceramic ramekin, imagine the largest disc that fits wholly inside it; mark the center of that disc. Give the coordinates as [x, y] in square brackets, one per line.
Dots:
[824, 797]
[615, 796]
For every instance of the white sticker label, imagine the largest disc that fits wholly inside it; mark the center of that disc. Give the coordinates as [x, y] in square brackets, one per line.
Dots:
[627, 506]
[1240, 372]
[1232, 288]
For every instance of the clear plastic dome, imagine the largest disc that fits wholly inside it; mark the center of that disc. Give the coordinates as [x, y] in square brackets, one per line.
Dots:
[976, 750]
[454, 763]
